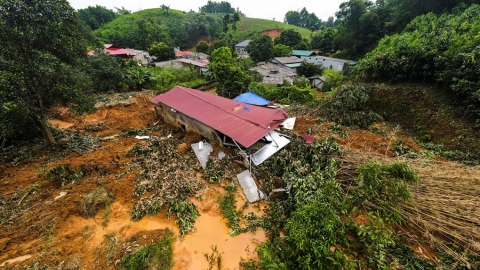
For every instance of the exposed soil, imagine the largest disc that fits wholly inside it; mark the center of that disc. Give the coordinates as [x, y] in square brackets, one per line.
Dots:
[52, 230]
[273, 33]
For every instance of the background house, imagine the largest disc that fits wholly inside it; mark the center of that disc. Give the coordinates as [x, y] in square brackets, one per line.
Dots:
[291, 62]
[240, 48]
[115, 50]
[329, 62]
[274, 73]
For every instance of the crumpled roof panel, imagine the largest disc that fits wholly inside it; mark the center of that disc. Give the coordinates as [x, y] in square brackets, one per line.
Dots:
[244, 123]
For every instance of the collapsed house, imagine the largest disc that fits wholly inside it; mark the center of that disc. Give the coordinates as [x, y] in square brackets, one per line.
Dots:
[223, 121]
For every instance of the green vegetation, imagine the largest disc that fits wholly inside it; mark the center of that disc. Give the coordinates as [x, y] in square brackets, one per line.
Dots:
[185, 214]
[346, 107]
[161, 51]
[280, 50]
[260, 48]
[169, 178]
[286, 94]
[303, 19]
[63, 174]
[214, 259]
[155, 256]
[38, 74]
[293, 39]
[167, 78]
[96, 16]
[379, 188]
[175, 28]
[433, 48]
[250, 27]
[232, 80]
[318, 219]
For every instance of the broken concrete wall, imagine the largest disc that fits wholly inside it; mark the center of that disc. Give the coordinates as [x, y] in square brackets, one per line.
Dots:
[189, 124]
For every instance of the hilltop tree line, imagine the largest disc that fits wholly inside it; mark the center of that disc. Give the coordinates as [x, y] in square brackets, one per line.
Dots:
[361, 24]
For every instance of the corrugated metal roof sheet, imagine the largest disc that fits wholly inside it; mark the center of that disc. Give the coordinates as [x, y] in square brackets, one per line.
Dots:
[183, 53]
[302, 52]
[243, 43]
[294, 65]
[246, 124]
[193, 62]
[288, 60]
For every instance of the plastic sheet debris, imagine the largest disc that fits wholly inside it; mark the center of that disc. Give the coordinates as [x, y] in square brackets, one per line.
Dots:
[221, 155]
[249, 187]
[142, 137]
[63, 193]
[202, 155]
[289, 123]
[308, 139]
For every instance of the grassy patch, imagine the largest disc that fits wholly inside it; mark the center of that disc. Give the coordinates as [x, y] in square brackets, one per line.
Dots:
[250, 27]
[155, 256]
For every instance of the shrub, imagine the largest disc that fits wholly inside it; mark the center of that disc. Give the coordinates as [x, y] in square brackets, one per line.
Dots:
[380, 188]
[155, 256]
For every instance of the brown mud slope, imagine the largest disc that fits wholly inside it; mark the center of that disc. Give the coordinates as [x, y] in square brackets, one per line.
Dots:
[42, 221]
[273, 33]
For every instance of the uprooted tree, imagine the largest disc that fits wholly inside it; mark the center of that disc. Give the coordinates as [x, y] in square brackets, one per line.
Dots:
[39, 48]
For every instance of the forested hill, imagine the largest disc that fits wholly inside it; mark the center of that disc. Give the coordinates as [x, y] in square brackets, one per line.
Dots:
[180, 29]
[443, 49]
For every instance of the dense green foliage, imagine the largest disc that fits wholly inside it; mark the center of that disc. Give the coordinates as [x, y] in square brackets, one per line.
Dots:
[280, 50]
[96, 16]
[309, 69]
[346, 107]
[155, 256]
[317, 219]
[167, 78]
[106, 72]
[285, 94]
[293, 39]
[323, 40]
[202, 47]
[38, 58]
[380, 187]
[217, 7]
[303, 19]
[363, 23]
[175, 28]
[161, 51]
[232, 80]
[260, 48]
[442, 48]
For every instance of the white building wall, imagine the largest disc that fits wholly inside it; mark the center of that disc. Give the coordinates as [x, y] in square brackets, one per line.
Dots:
[324, 63]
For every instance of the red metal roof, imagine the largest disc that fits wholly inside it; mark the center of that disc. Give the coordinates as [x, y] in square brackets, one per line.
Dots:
[183, 53]
[244, 123]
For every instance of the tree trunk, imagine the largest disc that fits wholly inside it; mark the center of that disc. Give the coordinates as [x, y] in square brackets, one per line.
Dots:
[42, 123]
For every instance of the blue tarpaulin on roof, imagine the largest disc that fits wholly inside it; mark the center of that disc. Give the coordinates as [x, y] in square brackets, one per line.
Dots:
[252, 98]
